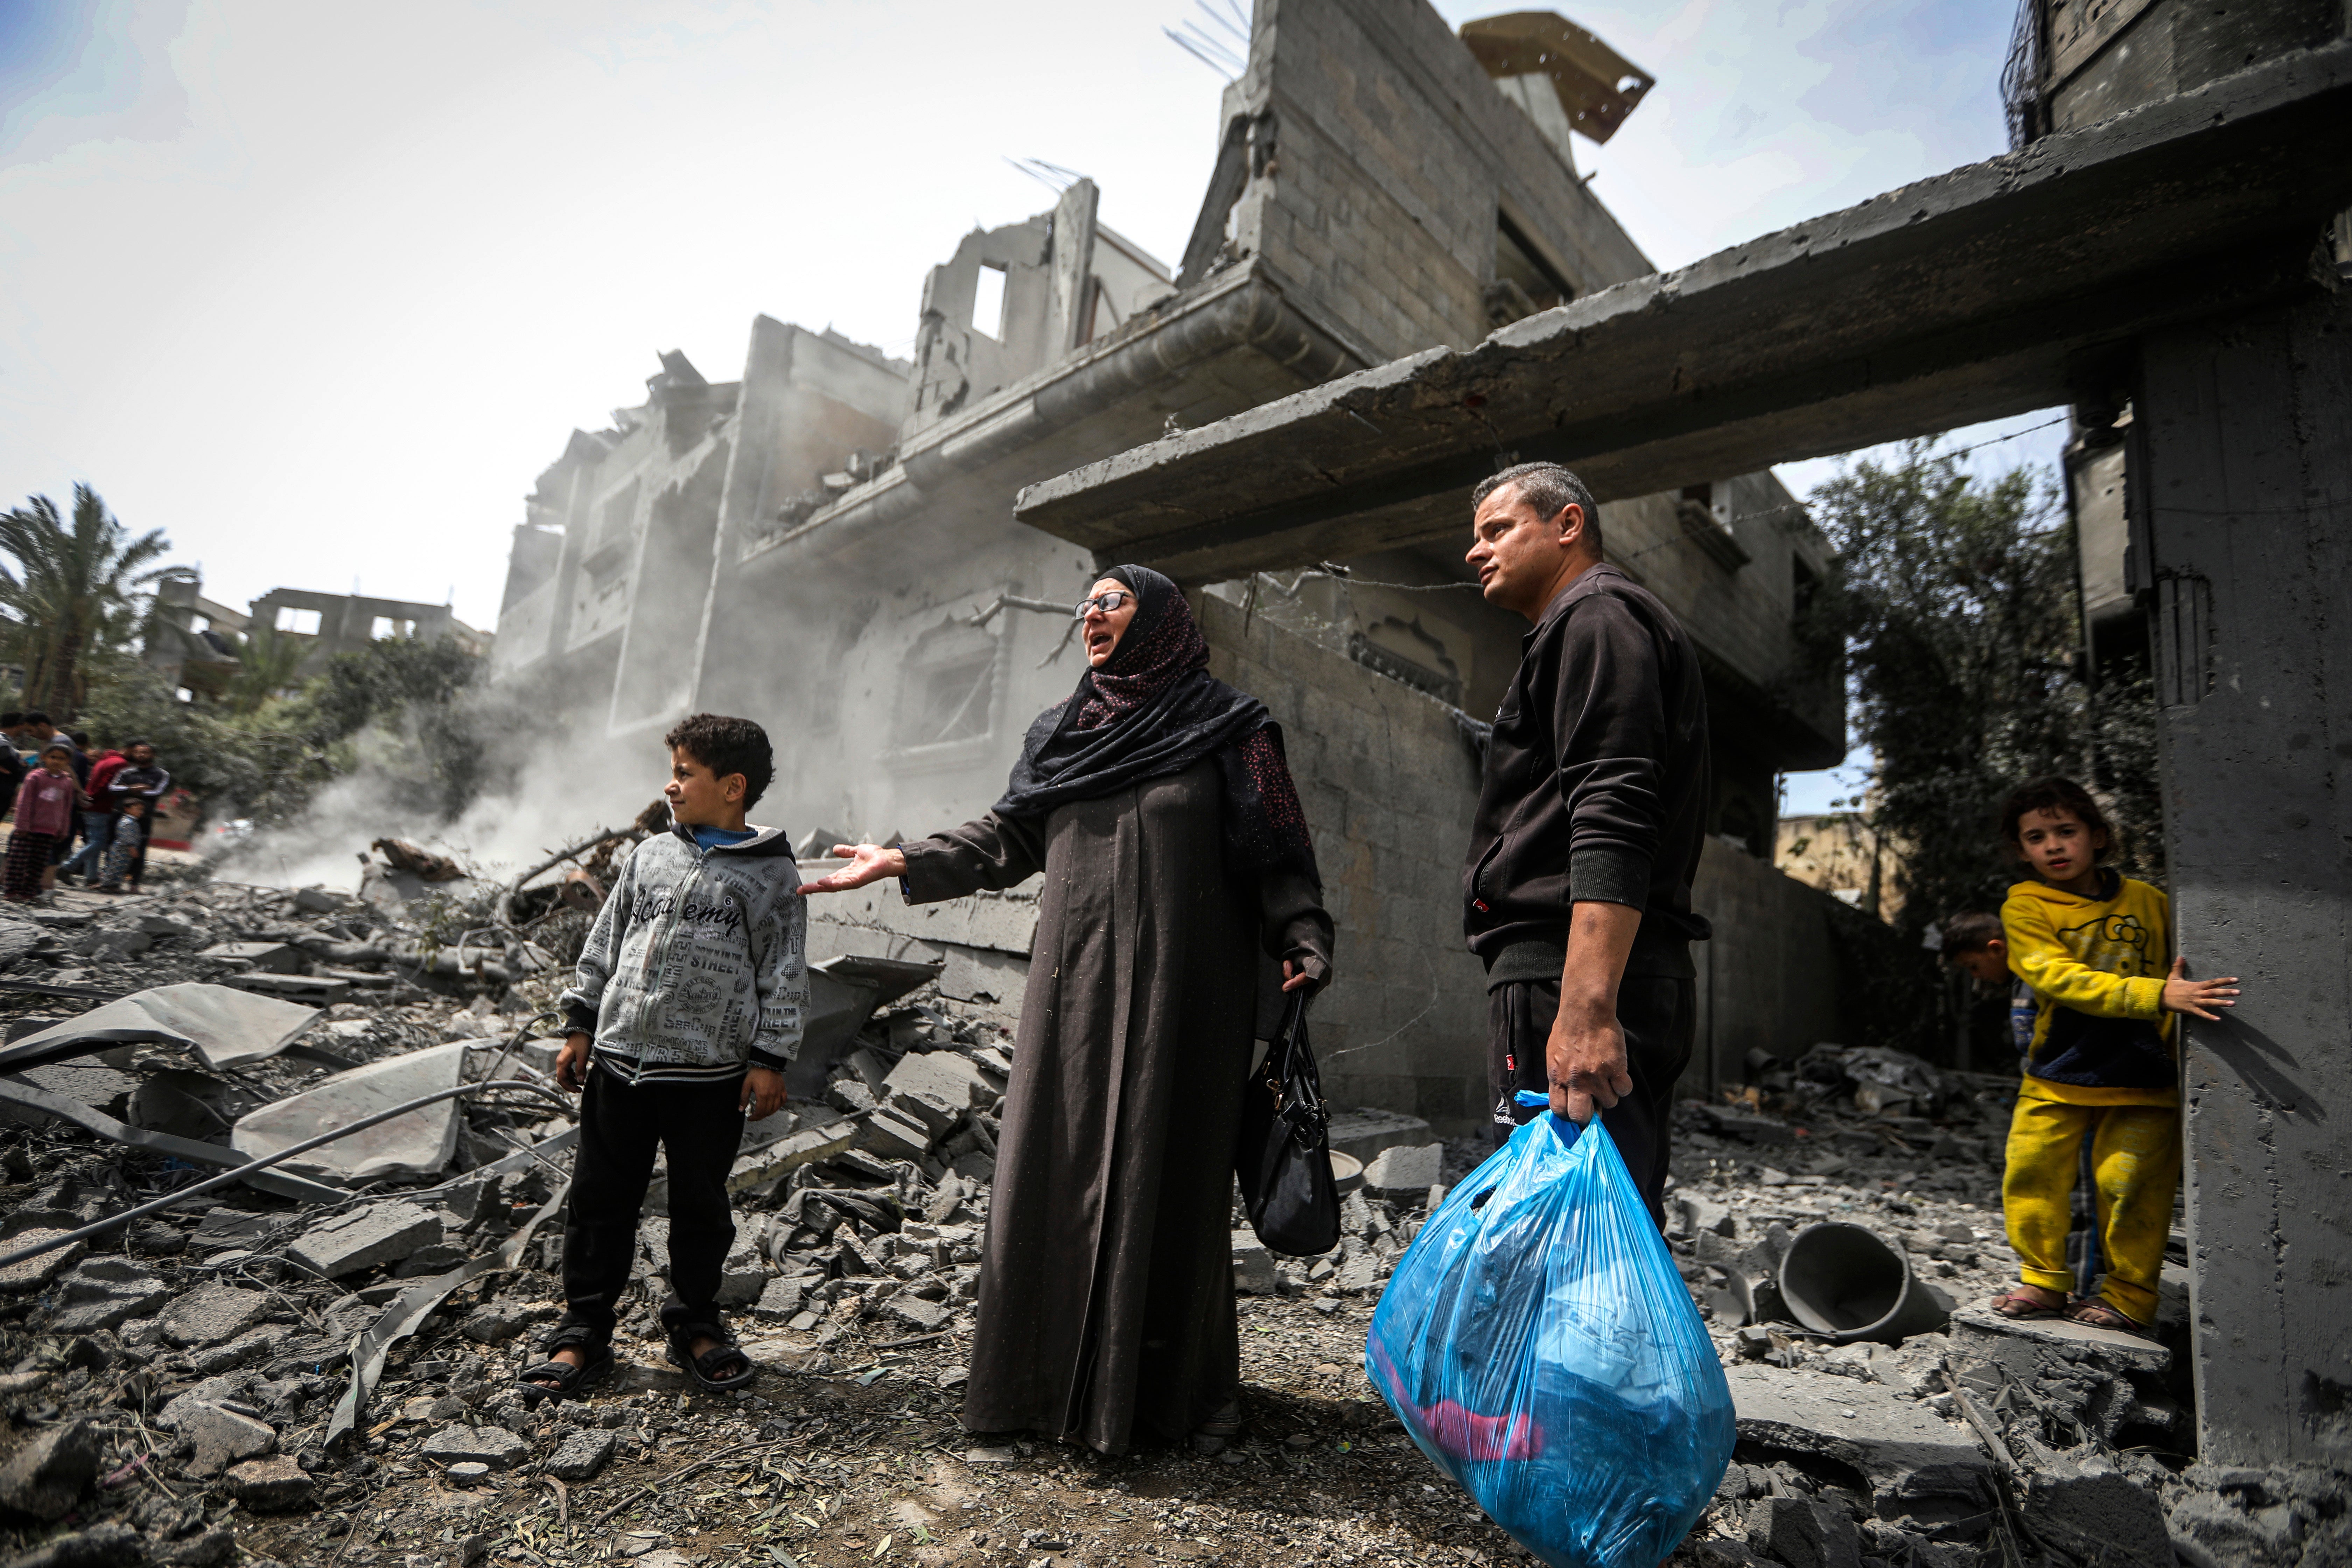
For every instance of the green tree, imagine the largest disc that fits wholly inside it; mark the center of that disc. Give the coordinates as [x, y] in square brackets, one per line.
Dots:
[73, 591]
[268, 664]
[1954, 601]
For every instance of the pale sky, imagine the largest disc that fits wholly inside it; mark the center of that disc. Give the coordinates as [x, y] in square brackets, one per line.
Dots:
[319, 288]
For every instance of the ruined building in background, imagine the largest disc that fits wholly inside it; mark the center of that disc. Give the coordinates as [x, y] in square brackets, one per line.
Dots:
[195, 642]
[827, 543]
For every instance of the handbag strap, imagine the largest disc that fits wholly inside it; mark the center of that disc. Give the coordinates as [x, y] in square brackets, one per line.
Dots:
[1301, 1080]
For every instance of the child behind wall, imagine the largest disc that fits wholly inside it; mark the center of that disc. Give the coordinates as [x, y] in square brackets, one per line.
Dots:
[2101, 1061]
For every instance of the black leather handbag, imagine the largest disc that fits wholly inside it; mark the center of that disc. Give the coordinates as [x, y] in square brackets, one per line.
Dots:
[1284, 1156]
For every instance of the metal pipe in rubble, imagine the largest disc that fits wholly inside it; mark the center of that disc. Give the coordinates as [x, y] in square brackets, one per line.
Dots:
[235, 1172]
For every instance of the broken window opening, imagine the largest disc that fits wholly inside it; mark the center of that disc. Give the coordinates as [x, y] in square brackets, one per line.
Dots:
[388, 628]
[988, 301]
[302, 623]
[1519, 262]
[951, 701]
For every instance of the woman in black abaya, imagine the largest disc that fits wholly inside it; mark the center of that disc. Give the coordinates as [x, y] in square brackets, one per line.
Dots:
[1158, 806]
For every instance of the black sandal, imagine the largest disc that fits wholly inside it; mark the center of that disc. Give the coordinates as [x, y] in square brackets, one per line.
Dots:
[704, 1368]
[569, 1381]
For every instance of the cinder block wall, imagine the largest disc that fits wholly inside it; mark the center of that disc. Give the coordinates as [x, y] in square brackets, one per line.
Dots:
[1395, 155]
[1770, 977]
[1389, 785]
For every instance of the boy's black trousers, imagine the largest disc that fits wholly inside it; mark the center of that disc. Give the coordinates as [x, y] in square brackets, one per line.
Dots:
[1659, 1017]
[697, 1126]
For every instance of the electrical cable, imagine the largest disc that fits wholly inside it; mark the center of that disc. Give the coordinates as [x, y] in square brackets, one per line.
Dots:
[236, 1172]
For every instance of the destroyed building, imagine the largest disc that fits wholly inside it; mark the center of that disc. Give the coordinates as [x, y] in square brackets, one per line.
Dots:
[2178, 256]
[194, 642]
[827, 543]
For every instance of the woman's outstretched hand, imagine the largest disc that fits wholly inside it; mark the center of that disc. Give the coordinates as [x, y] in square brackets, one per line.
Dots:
[868, 863]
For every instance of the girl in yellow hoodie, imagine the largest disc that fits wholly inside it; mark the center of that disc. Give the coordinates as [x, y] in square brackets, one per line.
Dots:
[2092, 944]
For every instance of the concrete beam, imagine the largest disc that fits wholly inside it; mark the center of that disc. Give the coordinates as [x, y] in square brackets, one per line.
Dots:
[2003, 286]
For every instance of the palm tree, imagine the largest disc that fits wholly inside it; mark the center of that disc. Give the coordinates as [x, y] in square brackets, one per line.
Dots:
[267, 664]
[71, 591]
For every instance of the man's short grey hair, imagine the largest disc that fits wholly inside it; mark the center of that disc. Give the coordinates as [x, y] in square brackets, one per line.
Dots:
[1547, 487]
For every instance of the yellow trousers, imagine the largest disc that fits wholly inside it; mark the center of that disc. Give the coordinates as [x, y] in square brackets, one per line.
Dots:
[2135, 1164]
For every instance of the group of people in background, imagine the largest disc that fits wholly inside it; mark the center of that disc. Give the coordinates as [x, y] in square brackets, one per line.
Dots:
[56, 790]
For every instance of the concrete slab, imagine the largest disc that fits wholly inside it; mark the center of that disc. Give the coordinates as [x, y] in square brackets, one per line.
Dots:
[944, 1076]
[890, 1135]
[773, 1164]
[1413, 1168]
[1977, 1333]
[275, 1485]
[1365, 1132]
[320, 990]
[417, 1145]
[34, 1273]
[224, 1437]
[492, 1445]
[225, 1027]
[211, 1313]
[1970, 295]
[1914, 1461]
[1253, 1273]
[364, 1237]
[780, 1300]
[105, 1292]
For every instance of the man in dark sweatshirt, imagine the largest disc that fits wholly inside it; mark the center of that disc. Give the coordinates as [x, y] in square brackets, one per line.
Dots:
[1578, 889]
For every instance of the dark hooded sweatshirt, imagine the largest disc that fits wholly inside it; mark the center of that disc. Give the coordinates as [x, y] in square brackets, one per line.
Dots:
[1596, 786]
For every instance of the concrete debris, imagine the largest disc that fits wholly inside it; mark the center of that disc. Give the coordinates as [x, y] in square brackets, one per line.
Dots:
[221, 1436]
[1805, 1533]
[361, 1238]
[582, 1455]
[417, 1145]
[229, 1324]
[211, 1313]
[100, 1546]
[104, 1293]
[220, 1026]
[36, 1273]
[1253, 1269]
[270, 1486]
[45, 1477]
[492, 1445]
[1404, 1169]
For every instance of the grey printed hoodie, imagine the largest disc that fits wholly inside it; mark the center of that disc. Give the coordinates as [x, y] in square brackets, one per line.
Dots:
[698, 963]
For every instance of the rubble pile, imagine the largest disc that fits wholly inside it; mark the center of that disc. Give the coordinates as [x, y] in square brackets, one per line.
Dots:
[1979, 1438]
[314, 1364]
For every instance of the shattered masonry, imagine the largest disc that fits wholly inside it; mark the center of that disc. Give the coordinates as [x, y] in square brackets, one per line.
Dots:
[209, 1352]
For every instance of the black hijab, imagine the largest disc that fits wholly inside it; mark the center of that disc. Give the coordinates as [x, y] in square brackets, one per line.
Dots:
[1153, 710]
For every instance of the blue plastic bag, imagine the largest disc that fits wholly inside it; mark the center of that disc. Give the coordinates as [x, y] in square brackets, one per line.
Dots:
[1539, 1345]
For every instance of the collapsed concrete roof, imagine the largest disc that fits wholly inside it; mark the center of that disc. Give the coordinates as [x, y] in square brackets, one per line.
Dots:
[2000, 287]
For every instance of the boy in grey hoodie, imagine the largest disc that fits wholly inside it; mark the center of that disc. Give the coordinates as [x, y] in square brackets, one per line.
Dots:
[686, 1010]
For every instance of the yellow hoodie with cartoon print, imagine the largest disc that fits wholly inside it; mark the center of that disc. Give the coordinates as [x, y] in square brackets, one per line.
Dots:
[2097, 968]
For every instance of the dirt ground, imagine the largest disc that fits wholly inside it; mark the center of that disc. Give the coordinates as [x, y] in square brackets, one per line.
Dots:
[867, 1463]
